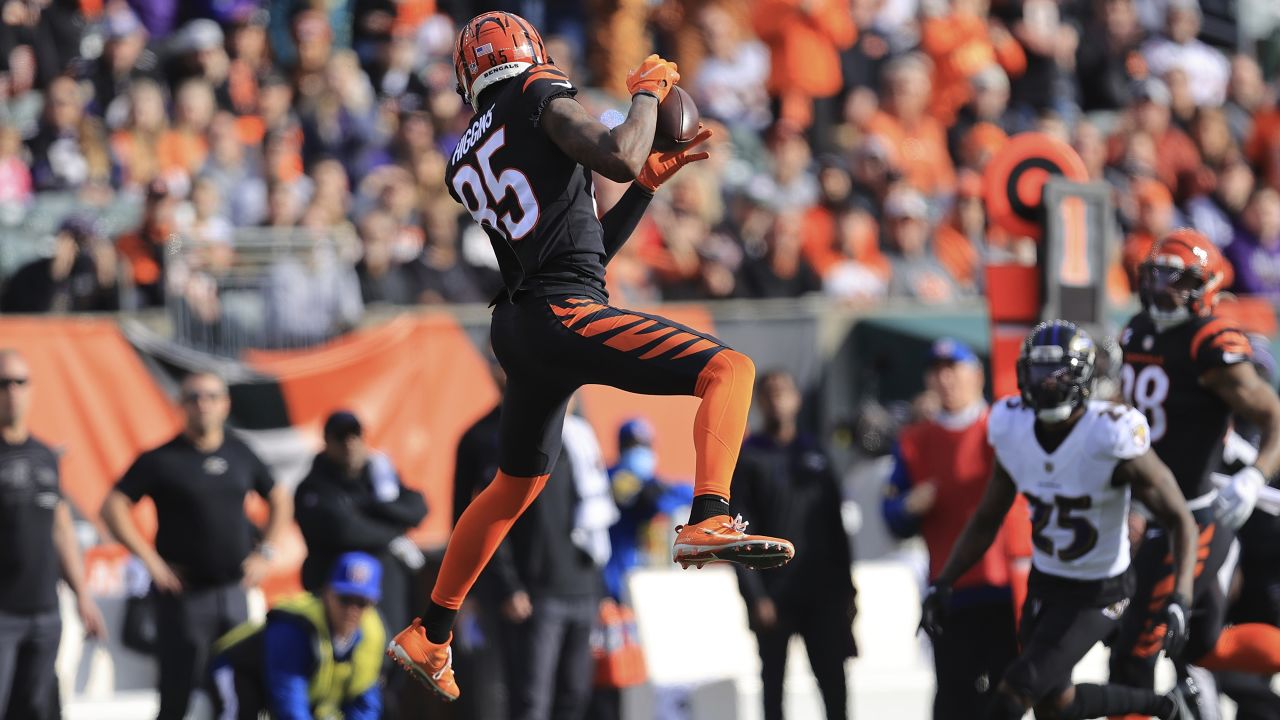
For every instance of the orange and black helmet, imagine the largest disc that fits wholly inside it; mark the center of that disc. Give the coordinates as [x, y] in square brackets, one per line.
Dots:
[494, 46]
[1183, 270]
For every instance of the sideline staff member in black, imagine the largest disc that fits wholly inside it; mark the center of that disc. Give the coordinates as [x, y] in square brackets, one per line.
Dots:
[204, 556]
[37, 544]
[785, 480]
[353, 500]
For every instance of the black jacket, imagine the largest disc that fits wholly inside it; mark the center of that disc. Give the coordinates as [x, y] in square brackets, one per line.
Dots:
[538, 556]
[792, 492]
[338, 514]
[32, 289]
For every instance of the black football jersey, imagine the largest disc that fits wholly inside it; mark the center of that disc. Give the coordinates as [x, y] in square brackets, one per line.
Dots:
[536, 204]
[1161, 378]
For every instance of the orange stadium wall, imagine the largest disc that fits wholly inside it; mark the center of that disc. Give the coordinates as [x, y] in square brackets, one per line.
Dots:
[94, 401]
[417, 382]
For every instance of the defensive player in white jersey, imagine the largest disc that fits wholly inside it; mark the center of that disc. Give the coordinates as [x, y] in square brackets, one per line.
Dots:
[1077, 462]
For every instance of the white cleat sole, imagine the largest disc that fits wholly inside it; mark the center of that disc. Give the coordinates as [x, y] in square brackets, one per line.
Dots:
[754, 554]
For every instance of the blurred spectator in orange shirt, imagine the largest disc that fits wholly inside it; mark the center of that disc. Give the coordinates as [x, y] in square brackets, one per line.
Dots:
[805, 38]
[143, 251]
[962, 43]
[184, 147]
[988, 105]
[981, 144]
[691, 260]
[250, 59]
[918, 140]
[908, 241]
[840, 238]
[1153, 218]
[1136, 158]
[1150, 114]
[135, 146]
[1263, 148]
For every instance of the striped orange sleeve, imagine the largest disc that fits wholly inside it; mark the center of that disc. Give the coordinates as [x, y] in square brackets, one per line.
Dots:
[1210, 329]
[544, 72]
[1220, 338]
[1232, 341]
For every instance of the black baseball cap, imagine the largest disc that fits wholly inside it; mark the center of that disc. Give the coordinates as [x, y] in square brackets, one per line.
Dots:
[342, 424]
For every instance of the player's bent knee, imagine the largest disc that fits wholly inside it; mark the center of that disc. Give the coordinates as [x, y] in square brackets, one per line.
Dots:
[727, 367]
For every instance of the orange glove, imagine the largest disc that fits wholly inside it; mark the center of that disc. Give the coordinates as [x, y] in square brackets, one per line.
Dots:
[655, 77]
[662, 165]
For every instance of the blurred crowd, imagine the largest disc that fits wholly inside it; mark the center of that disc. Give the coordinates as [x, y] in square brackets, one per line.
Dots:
[850, 140]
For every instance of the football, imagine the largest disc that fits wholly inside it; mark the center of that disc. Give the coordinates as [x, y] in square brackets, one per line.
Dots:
[678, 118]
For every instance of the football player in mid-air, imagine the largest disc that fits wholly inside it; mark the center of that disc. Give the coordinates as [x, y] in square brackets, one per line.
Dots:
[523, 170]
[1189, 371]
[1077, 461]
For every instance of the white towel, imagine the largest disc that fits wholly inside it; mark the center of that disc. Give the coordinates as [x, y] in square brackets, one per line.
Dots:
[596, 511]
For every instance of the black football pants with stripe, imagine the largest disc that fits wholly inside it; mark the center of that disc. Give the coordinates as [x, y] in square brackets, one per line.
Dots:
[1137, 646]
[551, 346]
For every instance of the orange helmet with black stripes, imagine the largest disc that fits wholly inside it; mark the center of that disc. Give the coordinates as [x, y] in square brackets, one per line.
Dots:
[494, 46]
[1182, 277]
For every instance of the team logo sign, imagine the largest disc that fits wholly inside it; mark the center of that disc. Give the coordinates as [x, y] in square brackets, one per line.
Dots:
[1013, 182]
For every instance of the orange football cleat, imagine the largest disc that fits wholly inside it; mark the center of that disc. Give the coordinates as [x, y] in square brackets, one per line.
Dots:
[721, 539]
[430, 663]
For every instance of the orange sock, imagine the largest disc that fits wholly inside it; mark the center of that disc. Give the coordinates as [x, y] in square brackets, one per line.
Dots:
[479, 532]
[1250, 648]
[720, 424]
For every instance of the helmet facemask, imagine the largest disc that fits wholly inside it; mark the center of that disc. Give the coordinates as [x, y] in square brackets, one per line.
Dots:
[1170, 294]
[1054, 381]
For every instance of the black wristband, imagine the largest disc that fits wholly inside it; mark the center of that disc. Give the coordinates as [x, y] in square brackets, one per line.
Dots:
[650, 93]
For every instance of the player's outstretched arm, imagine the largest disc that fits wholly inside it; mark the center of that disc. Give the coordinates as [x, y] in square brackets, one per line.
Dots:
[973, 542]
[618, 154]
[982, 528]
[1154, 486]
[623, 217]
[1252, 398]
